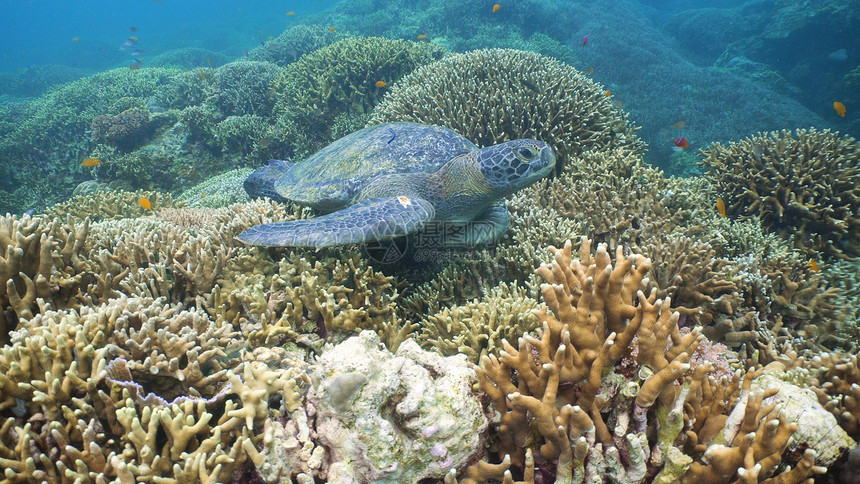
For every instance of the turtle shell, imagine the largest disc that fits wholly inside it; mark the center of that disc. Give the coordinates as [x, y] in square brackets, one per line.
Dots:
[333, 177]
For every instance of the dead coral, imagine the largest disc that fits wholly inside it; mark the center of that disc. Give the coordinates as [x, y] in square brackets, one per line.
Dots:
[803, 184]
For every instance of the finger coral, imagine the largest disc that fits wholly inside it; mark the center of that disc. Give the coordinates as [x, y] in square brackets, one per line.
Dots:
[803, 184]
[576, 401]
[495, 95]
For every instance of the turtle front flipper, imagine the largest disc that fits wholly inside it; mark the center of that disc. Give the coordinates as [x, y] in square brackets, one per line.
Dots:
[369, 220]
[485, 229]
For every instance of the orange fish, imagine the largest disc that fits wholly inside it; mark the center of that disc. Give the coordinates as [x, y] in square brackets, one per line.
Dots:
[291, 14]
[813, 264]
[496, 8]
[202, 194]
[840, 108]
[679, 125]
[680, 143]
[607, 93]
[588, 71]
[332, 28]
[133, 39]
[380, 83]
[145, 203]
[421, 36]
[721, 207]
[91, 162]
[76, 39]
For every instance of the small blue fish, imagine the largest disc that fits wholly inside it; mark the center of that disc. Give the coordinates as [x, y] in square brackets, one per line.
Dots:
[137, 52]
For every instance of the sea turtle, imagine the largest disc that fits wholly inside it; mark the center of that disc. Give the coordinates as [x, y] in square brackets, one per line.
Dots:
[394, 179]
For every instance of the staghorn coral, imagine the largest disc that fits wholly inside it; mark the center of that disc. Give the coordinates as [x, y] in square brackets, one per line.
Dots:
[110, 205]
[495, 95]
[43, 263]
[477, 328]
[802, 184]
[577, 400]
[55, 372]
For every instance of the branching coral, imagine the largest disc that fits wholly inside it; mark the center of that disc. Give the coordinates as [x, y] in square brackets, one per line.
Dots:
[495, 95]
[244, 87]
[297, 296]
[804, 184]
[43, 261]
[839, 389]
[55, 372]
[110, 205]
[477, 329]
[577, 402]
[340, 78]
[295, 42]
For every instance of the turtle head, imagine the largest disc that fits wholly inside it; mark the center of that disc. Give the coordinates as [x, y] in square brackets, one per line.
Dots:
[516, 164]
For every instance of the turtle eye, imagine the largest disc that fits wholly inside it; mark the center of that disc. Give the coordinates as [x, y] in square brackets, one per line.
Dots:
[526, 154]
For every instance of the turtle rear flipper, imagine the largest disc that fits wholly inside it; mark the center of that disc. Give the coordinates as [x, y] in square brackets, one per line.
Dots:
[261, 183]
[370, 220]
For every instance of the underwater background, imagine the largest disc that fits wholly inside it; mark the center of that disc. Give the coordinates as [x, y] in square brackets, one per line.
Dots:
[679, 301]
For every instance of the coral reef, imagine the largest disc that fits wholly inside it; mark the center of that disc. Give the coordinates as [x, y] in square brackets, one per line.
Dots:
[125, 131]
[53, 139]
[608, 364]
[295, 42]
[803, 184]
[340, 78]
[495, 95]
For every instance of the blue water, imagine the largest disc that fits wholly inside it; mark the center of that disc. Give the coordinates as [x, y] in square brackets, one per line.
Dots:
[727, 69]
[42, 32]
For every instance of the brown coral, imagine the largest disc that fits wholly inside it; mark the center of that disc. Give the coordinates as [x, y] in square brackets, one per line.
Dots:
[576, 402]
